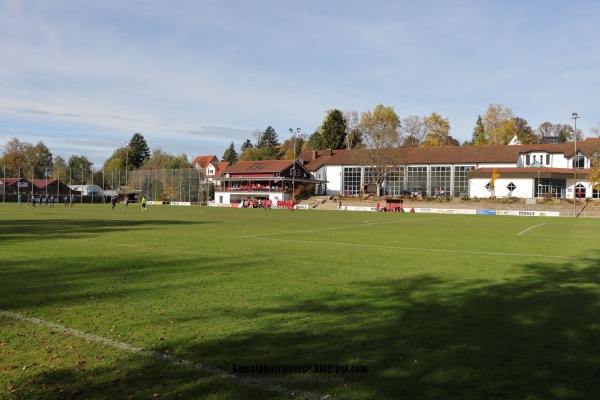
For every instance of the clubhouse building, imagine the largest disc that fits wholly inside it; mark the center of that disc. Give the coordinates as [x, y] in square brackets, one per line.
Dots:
[524, 171]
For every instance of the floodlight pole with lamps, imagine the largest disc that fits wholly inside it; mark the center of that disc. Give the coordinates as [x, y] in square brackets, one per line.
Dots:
[126, 162]
[82, 183]
[574, 117]
[294, 164]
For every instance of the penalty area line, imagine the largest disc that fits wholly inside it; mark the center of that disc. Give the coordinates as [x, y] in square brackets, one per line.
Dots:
[245, 381]
[364, 224]
[530, 228]
[378, 246]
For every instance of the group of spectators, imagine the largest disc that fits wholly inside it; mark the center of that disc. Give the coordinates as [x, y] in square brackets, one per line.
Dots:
[255, 187]
[45, 199]
[256, 203]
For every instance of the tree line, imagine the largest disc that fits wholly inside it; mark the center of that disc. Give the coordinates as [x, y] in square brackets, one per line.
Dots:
[380, 129]
[23, 159]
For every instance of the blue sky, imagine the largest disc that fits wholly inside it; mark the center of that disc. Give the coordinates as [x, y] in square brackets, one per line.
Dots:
[192, 76]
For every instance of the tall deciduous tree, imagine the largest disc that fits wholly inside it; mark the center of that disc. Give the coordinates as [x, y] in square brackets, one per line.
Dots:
[314, 142]
[545, 131]
[437, 131]
[333, 130]
[524, 132]
[380, 131]
[230, 155]
[413, 130]
[596, 131]
[59, 168]
[353, 138]
[14, 158]
[138, 151]
[494, 123]
[80, 170]
[41, 160]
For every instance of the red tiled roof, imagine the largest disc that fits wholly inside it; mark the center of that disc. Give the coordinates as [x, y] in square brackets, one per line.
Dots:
[220, 167]
[203, 161]
[9, 181]
[451, 154]
[40, 183]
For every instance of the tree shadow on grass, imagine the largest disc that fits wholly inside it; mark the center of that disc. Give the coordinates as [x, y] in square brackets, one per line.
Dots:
[535, 337]
[29, 230]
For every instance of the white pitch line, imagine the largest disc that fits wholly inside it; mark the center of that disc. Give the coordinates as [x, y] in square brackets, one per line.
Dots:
[528, 229]
[365, 223]
[242, 380]
[487, 253]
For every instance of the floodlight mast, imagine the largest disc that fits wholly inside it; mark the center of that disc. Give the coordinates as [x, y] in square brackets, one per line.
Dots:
[574, 117]
[294, 164]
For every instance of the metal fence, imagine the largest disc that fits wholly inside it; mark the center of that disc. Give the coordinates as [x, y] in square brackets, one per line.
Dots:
[169, 185]
[182, 185]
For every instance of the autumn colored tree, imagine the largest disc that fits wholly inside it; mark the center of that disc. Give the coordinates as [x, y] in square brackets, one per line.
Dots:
[437, 131]
[380, 131]
[495, 175]
[495, 124]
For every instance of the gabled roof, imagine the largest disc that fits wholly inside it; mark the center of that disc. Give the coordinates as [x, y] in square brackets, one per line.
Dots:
[220, 167]
[203, 161]
[587, 147]
[260, 167]
[451, 154]
[10, 181]
[42, 183]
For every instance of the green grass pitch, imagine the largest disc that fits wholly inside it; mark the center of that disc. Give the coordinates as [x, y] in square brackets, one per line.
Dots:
[426, 306]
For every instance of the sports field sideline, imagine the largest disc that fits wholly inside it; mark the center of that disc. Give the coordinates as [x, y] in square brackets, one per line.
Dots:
[191, 302]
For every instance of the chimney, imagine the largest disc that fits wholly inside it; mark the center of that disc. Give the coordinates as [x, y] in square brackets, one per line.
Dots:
[313, 155]
[328, 152]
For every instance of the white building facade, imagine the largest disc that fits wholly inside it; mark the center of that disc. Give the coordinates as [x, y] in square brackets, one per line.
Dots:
[525, 171]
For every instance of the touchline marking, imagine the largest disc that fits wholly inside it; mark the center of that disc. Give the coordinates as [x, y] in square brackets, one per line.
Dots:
[531, 227]
[246, 381]
[366, 223]
[487, 253]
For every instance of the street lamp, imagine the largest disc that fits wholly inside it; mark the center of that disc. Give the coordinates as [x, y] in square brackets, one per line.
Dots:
[294, 163]
[126, 162]
[574, 117]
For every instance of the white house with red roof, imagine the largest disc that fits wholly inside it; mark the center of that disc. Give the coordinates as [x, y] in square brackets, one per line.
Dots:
[273, 180]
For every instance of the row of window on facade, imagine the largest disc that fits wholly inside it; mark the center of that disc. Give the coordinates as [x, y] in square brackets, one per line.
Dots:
[418, 179]
[415, 179]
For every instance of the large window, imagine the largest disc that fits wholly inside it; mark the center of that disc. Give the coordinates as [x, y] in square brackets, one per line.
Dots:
[441, 179]
[394, 181]
[461, 179]
[351, 180]
[416, 179]
[556, 187]
[579, 160]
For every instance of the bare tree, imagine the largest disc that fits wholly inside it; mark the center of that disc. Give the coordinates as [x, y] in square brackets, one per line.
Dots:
[414, 130]
[352, 129]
